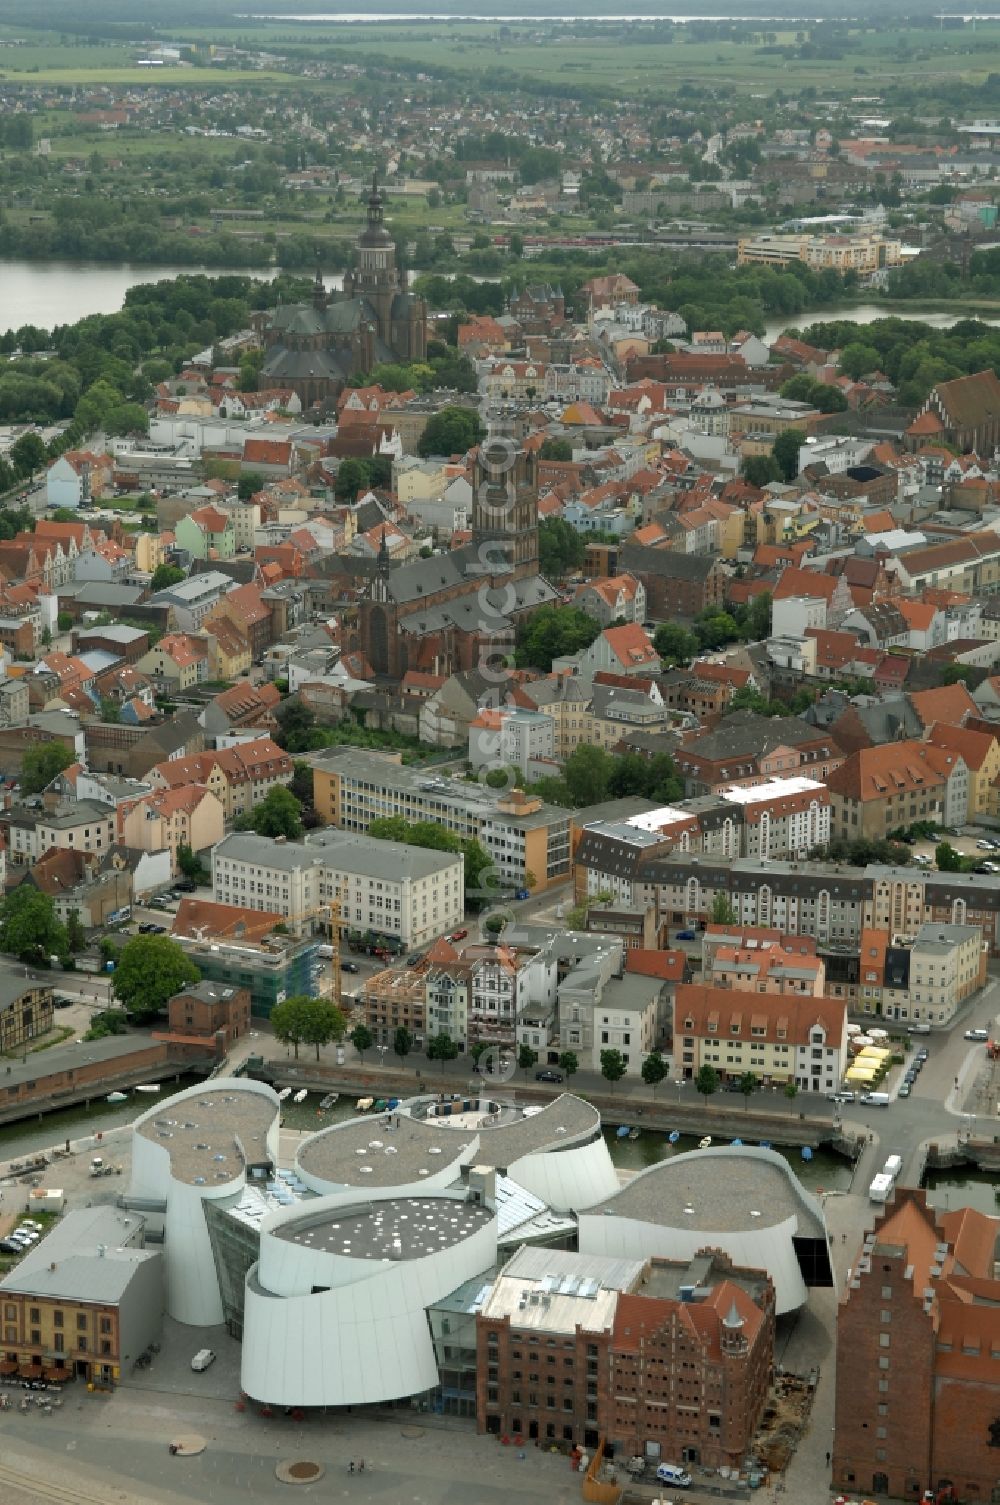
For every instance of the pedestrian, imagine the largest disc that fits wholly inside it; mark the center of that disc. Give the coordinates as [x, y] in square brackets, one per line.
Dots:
[352, 1465]
[361, 1466]
[843, 1238]
[828, 1460]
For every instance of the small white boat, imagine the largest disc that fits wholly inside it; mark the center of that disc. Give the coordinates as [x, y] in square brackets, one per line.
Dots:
[301, 1095]
[365, 1104]
[329, 1101]
[703, 1144]
[148, 1087]
[285, 1092]
[117, 1097]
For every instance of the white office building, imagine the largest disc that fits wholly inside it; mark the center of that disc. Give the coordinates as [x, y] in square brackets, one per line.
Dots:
[402, 891]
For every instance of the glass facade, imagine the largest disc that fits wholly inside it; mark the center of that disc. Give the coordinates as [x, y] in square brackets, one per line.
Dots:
[271, 973]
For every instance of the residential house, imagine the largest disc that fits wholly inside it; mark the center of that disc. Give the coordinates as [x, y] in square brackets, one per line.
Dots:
[177, 662]
[781, 1038]
[876, 790]
[168, 819]
[207, 533]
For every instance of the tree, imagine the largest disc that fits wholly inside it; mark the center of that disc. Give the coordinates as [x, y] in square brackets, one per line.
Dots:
[785, 452]
[324, 1021]
[304, 1020]
[561, 549]
[451, 431]
[613, 1066]
[402, 1042]
[947, 858]
[41, 764]
[150, 970]
[857, 359]
[759, 617]
[441, 1047]
[76, 936]
[722, 912]
[191, 865]
[278, 814]
[553, 632]
[494, 924]
[761, 470]
[64, 621]
[353, 477]
[29, 928]
[749, 1083]
[249, 483]
[166, 575]
[569, 1063]
[653, 1070]
[362, 1039]
[791, 1091]
[526, 1058]
[587, 773]
[28, 454]
[556, 449]
[706, 1082]
[674, 644]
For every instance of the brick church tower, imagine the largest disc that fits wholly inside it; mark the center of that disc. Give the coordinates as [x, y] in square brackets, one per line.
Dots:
[505, 508]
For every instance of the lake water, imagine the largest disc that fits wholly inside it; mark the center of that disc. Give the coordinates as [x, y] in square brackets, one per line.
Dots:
[866, 313]
[48, 293]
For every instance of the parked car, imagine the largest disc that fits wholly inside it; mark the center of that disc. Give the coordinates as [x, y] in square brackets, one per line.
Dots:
[548, 1076]
[60, 1001]
[458, 935]
[349, 967]
[922, 1054]
[977, 1034]
[8, 1246]
[905, 1089]
[186, 885]
[147, 927]
[686, 935]
[840, 1097]
[203, 1358]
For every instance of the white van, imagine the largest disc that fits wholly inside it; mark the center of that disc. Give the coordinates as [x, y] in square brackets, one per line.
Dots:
[670, 1473]
[202, 1359]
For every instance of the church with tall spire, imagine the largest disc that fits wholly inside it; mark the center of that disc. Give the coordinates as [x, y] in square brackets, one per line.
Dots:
[314, 348]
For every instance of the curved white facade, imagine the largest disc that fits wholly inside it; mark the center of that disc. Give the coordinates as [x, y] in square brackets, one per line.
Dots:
[557, 1153]
[570, 1179]
[324, 1328]
[188, 1150]
[745, 1201]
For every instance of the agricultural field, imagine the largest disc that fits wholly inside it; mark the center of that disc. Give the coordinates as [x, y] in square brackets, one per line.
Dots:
[651, 61]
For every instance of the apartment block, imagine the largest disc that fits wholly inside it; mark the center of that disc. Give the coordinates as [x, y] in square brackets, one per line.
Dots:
[402, 891]
[780, 1038]
[525, 837]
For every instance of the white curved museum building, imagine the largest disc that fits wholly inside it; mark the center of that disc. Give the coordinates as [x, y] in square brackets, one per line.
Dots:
[743, 1200]
[352, 1276]
[336, 1308]
[197, 1148]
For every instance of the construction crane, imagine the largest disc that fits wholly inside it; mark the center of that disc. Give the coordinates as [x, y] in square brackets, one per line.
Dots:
[332, 915]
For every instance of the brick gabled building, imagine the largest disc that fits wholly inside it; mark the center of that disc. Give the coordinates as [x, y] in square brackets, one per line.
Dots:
[918, 1334]
[964, 414]
[574, 1348]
